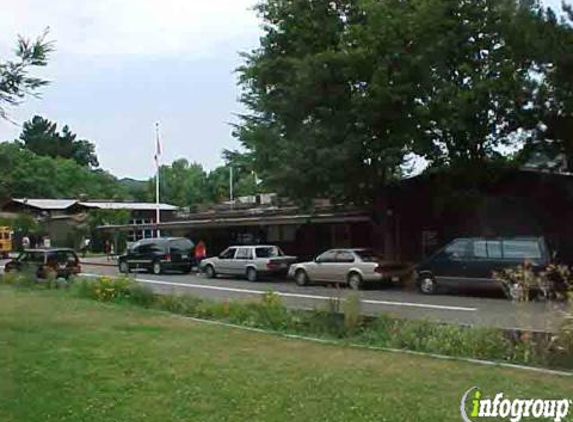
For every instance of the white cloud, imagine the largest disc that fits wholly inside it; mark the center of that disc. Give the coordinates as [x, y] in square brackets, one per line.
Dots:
[131, 27]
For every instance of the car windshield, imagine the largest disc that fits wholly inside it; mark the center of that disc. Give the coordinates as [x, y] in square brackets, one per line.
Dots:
[368, 255]
[268, 252]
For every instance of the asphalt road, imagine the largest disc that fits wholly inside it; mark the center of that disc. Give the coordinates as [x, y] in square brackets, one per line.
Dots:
[448, 308]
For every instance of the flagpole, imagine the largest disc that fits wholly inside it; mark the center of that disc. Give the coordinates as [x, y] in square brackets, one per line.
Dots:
[157, 154]
[231, 195]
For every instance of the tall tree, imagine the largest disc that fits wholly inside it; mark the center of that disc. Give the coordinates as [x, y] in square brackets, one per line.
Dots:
[182, 183]
[553, 103]
[15, 80]
[481, 83]
[41, 136]
[341, 92]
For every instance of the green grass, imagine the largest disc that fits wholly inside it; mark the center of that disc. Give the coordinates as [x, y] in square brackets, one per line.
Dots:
[68, 359]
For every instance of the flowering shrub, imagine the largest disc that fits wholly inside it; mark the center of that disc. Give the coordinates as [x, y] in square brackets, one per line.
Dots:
[106, 289]
[525, 282]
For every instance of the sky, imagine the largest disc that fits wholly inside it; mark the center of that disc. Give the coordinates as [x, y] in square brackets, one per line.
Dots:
[120, 66]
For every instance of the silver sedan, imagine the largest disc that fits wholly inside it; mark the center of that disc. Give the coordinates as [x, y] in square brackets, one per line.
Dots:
[251, 262]
[354, 267]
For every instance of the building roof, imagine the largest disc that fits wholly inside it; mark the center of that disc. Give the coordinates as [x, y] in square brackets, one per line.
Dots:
[47, 204]
[64, 204]
[256, 217]
[132, 206]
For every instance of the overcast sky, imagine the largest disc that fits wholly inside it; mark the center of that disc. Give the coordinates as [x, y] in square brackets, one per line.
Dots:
[122, 65]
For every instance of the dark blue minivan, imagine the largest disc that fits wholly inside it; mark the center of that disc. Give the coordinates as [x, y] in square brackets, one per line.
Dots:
[469, 263]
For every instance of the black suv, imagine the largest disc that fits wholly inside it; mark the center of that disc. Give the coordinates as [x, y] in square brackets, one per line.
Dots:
[158, 255]
[470, 263]
[42, 262]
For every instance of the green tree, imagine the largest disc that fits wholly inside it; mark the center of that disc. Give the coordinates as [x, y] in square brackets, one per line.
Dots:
[27, 175]
[15, 80]
[552, 46]
[340, 93]
[182, 183]
[41, 136]
[481, 82]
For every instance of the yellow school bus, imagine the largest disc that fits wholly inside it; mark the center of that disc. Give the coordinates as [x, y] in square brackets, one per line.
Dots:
[5, 241]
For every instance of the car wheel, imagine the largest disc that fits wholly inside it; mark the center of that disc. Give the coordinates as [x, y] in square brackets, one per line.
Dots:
[156, 268]
[355, 281]
[252, 274]
[124, 267]
[301, 278]
[428, 285]
[514, 292]
[210, 271]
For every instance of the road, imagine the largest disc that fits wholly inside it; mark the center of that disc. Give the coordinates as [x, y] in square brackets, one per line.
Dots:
[447, 308]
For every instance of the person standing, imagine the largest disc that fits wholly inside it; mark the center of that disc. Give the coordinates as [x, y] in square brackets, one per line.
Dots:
[86, 246]
[200, 253]
[107, 249]
[26, 242]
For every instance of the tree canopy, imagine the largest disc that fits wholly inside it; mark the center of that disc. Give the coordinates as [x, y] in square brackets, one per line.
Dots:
[341, 93]
[28, 175]
[188, 184]
[41, 136]
[15, 80]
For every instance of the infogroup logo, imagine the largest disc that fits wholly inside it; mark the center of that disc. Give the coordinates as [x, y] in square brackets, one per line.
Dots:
[514, 410]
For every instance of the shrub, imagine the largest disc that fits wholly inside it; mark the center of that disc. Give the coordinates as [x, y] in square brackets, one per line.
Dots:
[141, 296]
[522, 282]
[20, 278]
[106, 289]
[182, 305]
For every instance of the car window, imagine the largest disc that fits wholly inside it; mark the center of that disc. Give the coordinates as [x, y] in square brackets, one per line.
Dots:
[368, 255]
[152, 248]
[36, 257]
[66, 257]
[268, 252]
[328, 256]
[244, 253]
[458, 249]
[521, 249]
[487, 249]
[181, 246]
[52, 258]
[228, 254]
[344, 256]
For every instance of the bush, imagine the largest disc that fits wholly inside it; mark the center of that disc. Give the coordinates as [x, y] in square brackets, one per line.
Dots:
[106, 289]
[182, 305]
[141, 296]
[524, 282]
[20, 279]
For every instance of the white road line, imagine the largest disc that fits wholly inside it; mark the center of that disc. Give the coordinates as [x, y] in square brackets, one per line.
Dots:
[300, 296]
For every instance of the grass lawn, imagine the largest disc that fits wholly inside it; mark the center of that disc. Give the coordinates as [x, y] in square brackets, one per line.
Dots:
[64, 359]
